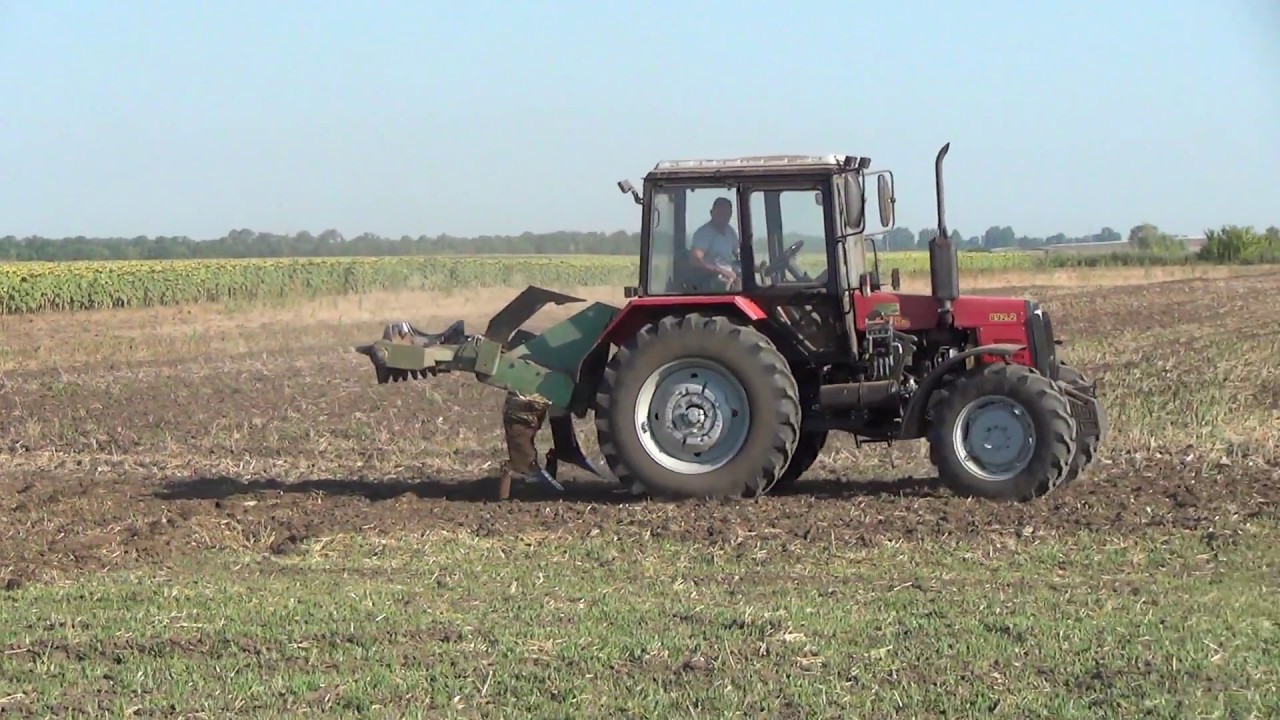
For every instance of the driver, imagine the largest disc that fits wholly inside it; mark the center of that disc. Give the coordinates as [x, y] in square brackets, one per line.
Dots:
[715, 245]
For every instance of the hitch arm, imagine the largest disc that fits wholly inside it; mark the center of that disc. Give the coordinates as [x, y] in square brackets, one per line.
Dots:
[405, 352]
[394, 361]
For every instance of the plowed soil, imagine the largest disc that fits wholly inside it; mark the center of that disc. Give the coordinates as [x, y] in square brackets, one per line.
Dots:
[153, 436]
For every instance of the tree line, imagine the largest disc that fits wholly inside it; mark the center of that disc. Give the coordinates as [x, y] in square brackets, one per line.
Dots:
[246, 243]
[1237, 243]
[996, 237]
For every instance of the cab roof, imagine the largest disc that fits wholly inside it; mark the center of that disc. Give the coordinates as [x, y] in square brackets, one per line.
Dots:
[752, 165]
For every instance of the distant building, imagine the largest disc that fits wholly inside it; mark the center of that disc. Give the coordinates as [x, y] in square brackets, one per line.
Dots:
[1193, 242]
[1089, 248]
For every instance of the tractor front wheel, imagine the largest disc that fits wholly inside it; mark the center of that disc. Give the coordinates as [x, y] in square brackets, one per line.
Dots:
[1002, 432]
[698, 406]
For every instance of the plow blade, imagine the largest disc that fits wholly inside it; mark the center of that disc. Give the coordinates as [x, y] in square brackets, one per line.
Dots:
[565, 448]
[547, 365]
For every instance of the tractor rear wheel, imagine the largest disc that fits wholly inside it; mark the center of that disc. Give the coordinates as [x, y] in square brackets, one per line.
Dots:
[1089, 432]
[1003, 432]
[698, 406]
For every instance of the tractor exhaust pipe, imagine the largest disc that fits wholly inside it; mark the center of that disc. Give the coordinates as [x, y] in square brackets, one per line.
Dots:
[944, 263]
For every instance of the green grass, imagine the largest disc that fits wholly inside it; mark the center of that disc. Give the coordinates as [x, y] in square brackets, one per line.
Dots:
[1086, 627]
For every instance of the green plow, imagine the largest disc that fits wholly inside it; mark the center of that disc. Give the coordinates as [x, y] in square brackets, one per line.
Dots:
[507, 356]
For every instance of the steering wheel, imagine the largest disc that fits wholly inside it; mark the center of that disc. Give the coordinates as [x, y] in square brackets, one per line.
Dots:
[786, 261]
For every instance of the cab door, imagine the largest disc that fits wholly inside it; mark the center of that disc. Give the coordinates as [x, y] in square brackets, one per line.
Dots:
[792, 275]
[848, 256]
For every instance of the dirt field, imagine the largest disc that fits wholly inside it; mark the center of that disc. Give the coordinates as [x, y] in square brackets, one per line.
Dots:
[139, 436]
[157, 441]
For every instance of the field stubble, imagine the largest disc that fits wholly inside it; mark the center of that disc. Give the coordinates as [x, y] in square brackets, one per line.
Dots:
[171, 440]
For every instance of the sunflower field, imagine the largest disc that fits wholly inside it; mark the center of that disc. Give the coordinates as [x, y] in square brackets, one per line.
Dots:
[29, 287]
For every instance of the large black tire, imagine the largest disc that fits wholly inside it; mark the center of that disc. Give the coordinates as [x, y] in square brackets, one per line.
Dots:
[807, 452]
[1016, 386]
[721, 347]
[1089, 435]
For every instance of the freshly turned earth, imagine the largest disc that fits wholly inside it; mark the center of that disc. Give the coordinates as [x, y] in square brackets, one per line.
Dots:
[149, 437]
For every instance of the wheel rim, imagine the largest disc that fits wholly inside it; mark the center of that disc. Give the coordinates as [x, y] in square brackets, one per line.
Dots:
[995, 437]
[692, 416]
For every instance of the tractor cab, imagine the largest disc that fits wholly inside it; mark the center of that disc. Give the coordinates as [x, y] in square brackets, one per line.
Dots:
[787, 231]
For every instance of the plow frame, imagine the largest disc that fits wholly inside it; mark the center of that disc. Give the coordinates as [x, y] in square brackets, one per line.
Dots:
[548, 365]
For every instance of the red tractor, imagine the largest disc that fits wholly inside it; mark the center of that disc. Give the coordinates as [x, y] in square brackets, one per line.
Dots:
[738, 352]
[728, 382]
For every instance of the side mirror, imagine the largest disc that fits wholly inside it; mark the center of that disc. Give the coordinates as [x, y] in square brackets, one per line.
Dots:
[626, 187]
[854, 202]
[884, 188]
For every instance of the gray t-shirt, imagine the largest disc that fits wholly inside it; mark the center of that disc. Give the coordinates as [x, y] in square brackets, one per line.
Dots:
[718, 247]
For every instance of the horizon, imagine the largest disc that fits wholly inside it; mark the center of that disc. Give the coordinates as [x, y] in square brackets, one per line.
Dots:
[409, 119]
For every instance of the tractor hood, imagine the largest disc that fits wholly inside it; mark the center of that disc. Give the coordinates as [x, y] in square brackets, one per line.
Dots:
[921, 311]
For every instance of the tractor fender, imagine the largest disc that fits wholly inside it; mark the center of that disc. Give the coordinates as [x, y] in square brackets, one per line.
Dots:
[640, 311]
[636, 314]
[913, 418]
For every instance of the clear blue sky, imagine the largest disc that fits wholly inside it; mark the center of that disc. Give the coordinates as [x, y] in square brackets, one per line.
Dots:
[127, 118]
